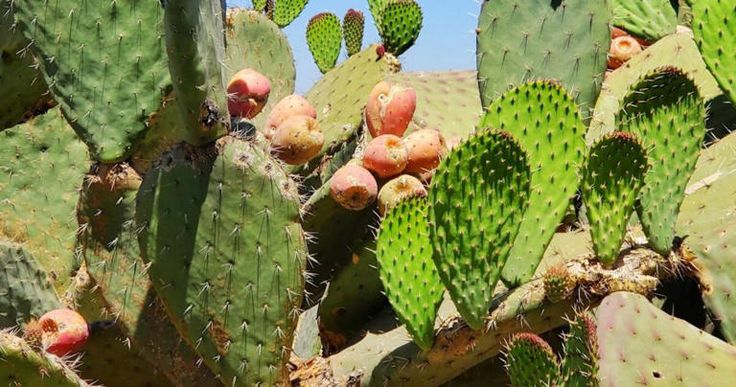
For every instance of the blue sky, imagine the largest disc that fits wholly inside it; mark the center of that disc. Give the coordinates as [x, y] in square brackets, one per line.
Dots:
[447, 40]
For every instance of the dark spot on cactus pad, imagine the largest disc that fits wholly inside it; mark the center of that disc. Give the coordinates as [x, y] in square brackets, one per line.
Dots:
[656, 374]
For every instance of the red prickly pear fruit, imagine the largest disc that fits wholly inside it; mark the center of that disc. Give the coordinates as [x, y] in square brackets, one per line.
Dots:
[390, 108]
[622, 49]
[247, 93]
[385, 155]
[353, 187]
[397, 190]
[297, 140]
[426, 148]
[293, 105]
[59, 332]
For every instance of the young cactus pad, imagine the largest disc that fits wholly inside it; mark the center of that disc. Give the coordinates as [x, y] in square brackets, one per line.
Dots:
[519, 41]
[220, 231]
[612, 178]
[477, 199]
[650, 20]
[353, 25]
[324, 38]
[666, 112]
[549, 126]
[107, 94]
[713, 26]
[409, 275]
[401, 22]
[286, 11]
[580, 364]
[530, 361]
[642, 345]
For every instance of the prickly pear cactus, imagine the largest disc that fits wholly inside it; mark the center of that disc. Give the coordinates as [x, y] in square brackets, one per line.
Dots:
[477, 198]
[549, 126]
[105, 63]
[19, 363]
[26, 288]
[324, 38]
[401, 22]
[409, 275]
[519, 41]
[612, 177]
[353, 26]
[641, 344]
[713, 22]
[579, 367]
[38, 202]
[227, 260]
[650, 20]
[286, 11]
[530, 361]
[666, 112]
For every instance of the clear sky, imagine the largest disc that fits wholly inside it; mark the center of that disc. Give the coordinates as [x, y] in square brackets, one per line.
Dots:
[446, 42]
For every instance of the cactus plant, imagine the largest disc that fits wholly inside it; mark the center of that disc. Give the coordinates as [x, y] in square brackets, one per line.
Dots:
[475, 223]
[522, 41]
[324, 38]
[612, 177]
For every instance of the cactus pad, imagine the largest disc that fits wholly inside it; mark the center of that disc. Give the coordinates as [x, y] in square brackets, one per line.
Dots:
[324, 38]
[353, 26]
[105, 62]
[286, 11]
[642, 345]
[713, 26]
[220, 230]
[558, 283]
[26, 289]
[530, 361]
[612, 178]
[580, 365]
[409, 275]
[549, 127]
[650, 20]
[401, 22]
[520, 41]
[665, 111]
[478, 196]
[42, 164]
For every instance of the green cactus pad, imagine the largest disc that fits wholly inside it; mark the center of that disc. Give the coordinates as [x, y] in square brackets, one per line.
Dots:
[219, 227]
[353, 25]
[42, 163]
[677, 50]
[286, 11]
[666, 112]
[477, 197]
[447, 101]
[195, 44]
[339, 96]
[324, 38]
[642, 345]
[612, 178]
[580, 364]
[708, 219]
[650, 20]
[401, 22]
[549, 127]
[255, 42]
[20, 365]
[409, 275]
[376, 8]
[713, 26]
[105, 63]
[530, 361]
[519, 41]
[259, 5]
[22, 86]
[558, 283]
[26, 289]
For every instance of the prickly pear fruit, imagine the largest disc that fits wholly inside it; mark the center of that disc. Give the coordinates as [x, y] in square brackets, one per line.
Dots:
[353, 187]
[622, 49]
[426, 147]
[297, 140]
[385, 155]
[398, 190]
[390, 109]
[59, 332]
[247, 92]
[293, 105]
